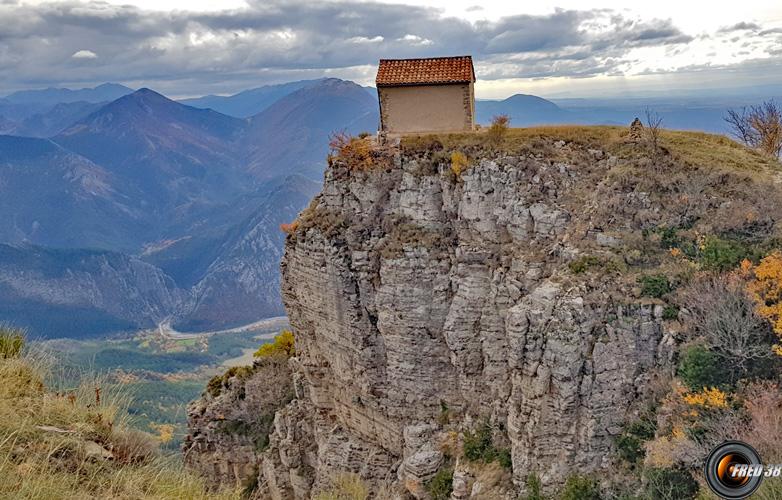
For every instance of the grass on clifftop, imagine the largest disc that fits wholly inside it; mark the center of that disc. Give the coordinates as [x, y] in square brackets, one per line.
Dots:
[76, 443]
[693, 148]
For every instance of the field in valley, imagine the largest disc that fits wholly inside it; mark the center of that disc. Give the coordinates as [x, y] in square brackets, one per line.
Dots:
[159, 371]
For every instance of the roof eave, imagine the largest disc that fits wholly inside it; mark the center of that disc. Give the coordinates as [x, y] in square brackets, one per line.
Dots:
[420, 84]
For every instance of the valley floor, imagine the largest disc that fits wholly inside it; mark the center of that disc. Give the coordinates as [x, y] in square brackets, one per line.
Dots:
[161, 370]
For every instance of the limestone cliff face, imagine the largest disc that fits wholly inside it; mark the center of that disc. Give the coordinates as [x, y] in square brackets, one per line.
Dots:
[426, 303]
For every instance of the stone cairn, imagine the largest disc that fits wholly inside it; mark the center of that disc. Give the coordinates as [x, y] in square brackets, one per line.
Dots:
[636, 131]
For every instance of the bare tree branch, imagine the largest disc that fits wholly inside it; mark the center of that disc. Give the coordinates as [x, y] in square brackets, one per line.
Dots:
[759, 127]
[724, 315]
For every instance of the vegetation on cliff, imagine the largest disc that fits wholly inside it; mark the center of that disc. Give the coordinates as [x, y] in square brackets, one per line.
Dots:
[76, 443]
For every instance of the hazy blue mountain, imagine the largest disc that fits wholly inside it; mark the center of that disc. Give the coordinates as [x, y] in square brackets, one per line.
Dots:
[292, 135]
[242, 284]
[524, 110]
[689, 113]
[52, 196]
[7, 126]
[51, 96]
[26, 104]
[81, 293]
[56, 119]
[181, 159]
[248, 102]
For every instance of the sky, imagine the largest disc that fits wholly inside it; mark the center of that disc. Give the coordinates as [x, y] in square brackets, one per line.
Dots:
[563, 48]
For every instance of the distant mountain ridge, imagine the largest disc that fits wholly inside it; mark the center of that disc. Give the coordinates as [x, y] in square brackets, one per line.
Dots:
[295, 130]
[52, 96]
[54, 120]
[248, 102]
[190, 195]
[45, 112]
[524, 110]
[172, 154]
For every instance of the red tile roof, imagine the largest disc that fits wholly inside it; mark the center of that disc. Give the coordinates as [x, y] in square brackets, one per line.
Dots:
[431, 70]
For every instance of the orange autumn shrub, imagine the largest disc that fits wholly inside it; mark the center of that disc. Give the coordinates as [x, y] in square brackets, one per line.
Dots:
[766, 290]
[289, 228]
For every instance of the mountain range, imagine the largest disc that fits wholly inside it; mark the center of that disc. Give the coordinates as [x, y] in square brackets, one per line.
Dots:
[178, 204]
[178, 207]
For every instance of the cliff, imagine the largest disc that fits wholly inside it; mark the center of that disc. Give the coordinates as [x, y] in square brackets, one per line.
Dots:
[460, 304]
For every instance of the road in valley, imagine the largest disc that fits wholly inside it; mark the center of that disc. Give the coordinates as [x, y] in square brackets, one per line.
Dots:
[275, 324]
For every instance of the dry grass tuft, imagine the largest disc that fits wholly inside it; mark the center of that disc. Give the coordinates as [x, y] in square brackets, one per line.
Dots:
[345, 487]
[76, 444]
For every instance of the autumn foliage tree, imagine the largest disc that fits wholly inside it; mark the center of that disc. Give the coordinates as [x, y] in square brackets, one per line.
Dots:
[356, 152]
[459, 163]
[766, 289]
[283, 345]
[498, 128]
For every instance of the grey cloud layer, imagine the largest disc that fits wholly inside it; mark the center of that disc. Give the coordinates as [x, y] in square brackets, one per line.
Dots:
[273, 40]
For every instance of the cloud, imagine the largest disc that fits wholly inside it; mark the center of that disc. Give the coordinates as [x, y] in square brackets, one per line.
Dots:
[415, 40]
[84, 54]
[275, 40]
[742, 26]
[363, 39]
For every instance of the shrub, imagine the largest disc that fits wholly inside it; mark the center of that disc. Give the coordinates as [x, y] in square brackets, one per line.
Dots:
[580, 488]
[700, 367]
[356, 152]
[459, 163]
[668, 237]
[630, 444]
[643, 429]
[498, 128]
[582, 264]
[630, 448]
[654, 285]
[283, 344]
[766, 290]
[670, 484]
[441, 485]
[534, 488]
[724, 316]
[11, 342]
[478, 444]
[671, 312]
[722, 255]
[504, 458]
[215, 385]
[289, 228]
[444, 417]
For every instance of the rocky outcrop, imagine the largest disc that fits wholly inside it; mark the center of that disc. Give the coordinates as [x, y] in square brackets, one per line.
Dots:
[425, 304]
[230, 425]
